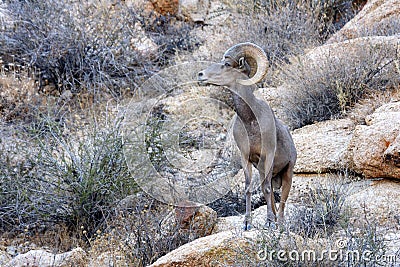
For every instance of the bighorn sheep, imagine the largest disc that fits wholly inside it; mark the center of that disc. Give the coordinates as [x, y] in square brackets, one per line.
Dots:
[264, 141]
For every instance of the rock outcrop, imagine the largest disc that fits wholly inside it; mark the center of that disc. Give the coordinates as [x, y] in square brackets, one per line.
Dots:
[194, 219]
[230, 246]
[376, 200]
[75, 257]
[322, 147]
[374, 147]
[378, 17]
[208, 251]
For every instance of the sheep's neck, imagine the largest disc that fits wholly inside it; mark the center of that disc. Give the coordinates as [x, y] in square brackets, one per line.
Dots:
[243, 99]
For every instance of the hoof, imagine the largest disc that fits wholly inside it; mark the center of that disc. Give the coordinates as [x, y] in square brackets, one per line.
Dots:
[247, 226]
[270, 224]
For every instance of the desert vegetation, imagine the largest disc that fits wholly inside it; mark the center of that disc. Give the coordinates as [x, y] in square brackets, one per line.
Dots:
[67, 68]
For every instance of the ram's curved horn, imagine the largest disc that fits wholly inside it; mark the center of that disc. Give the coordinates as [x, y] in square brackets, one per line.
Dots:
[254, 56]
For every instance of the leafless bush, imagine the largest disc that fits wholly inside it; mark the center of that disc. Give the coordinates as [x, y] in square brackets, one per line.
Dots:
[64, 179]
[87, 47]
[329, 87]
[139, 233]
[287, 28]
[322, 209]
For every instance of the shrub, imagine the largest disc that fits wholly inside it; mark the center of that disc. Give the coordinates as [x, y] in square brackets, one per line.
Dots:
[369, 242]
[66, 178]
[16, 207]
[322, 210]
[329, 87]
[83, 176]
[286, 28]
[87, 47]
[140, 233]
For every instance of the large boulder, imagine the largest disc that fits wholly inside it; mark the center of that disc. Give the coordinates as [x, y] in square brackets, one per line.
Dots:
[230, 248]
[321, 147]
[378, 17]
[193, 219]
[207, 251]
[374, 147]
[383, 46]
[75, 257]
[375, 200]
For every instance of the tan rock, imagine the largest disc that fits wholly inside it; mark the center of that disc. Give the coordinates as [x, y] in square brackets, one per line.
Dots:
[374, 148]
[75, 257]
[378, 201]
[234, 248]
[378, 17]
[194, 10]
[235, 223]
[166, 7]
[142, 43]
[207, 251]
[321, 147]
[194, 219]
[384, 46]
[375, 200]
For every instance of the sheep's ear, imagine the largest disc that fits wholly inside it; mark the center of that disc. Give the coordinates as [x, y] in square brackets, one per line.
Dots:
[242, 63]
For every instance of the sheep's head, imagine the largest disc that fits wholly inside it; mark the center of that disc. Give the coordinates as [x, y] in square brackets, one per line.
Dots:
[239, 62]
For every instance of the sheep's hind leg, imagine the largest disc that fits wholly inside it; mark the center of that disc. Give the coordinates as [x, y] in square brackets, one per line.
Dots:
[247, 174]
[266, 188]
[286, 185]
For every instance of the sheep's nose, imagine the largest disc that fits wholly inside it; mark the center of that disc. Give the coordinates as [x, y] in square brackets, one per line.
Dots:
[200, 74]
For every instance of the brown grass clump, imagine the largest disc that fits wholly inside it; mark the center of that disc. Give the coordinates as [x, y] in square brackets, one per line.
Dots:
[18, 98]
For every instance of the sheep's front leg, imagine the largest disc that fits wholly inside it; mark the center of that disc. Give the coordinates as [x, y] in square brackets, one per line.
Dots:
[266, 188]
[247, 174]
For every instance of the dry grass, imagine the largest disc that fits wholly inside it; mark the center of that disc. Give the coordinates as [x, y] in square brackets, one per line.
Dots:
[329, 87]
[18, 97]
[88, 47]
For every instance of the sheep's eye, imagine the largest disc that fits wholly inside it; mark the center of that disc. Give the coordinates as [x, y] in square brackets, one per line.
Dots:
[227, 64]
